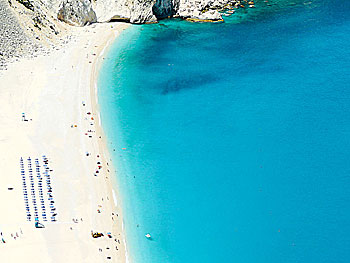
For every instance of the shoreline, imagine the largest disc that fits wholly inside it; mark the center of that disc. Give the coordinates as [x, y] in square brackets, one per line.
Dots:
[114, 191]
[58, 97]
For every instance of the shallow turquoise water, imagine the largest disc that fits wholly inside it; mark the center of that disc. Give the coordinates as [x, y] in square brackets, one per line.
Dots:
[236, 135]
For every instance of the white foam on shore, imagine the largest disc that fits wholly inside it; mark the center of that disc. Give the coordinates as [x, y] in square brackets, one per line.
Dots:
[96, 94]
[124, 241]
[114, 198]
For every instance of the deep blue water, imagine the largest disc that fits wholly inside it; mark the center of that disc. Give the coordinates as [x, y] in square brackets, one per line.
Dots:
[237, 135]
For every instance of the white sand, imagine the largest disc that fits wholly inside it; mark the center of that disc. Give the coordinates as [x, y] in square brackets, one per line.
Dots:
[50, 91]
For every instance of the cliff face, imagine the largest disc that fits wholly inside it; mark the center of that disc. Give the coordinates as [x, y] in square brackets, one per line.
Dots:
[81, 12]
[149, 11]
[31, 26]
[207, 10]
[76, 12]
[133, 11]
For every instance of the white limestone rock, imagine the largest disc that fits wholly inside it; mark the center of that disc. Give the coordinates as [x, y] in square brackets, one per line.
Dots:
[81, 12]
[76, 12]
[202, 9]
[212, 15]
[141, 12]
[148, 11]
[52, 5]
[133, 11]
[106, 10]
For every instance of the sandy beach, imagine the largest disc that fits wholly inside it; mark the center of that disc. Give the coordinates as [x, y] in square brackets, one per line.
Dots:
[49, 118]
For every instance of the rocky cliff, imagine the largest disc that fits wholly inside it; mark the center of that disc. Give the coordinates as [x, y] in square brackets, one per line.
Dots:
[139, 11]
[149, 11]
[76, 12]
[28, 25]
[82, 12]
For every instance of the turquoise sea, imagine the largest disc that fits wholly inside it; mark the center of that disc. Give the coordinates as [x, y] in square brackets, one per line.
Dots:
[236, 135]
